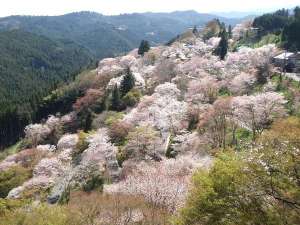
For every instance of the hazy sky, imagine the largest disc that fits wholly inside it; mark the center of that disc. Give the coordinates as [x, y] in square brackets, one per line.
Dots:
[108, 7]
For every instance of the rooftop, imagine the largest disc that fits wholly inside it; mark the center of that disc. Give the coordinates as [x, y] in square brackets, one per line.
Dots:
[284, 55]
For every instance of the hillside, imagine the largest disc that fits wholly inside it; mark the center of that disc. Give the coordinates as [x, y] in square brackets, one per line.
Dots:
[30, 67]
[41, 52]
[107, 36]
[194, 132]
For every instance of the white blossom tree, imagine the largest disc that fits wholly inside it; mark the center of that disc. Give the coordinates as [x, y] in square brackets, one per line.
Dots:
[257, 112]
[204, 90]
[242, 84]
[163, 183]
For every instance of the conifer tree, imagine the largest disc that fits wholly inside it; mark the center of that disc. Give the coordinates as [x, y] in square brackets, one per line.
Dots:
[195, 31]
[229, 31]
[88, 122]
[222, 49]
[116, 99]
[128, 82]
[144, 47]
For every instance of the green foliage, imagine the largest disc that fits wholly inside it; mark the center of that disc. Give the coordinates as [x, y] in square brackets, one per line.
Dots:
[82, 145]
[291, 35]
[262, 190]
[170, 151]
[195, 30]
[88, 209]
[41, 215]
[268, 39]
[31, 67]
[127, 83]
[121, 157]
[262, 74]
[9, 205]
[278, 28]
[65, 196]
[11, 150]
[144, 47]
[229, 31]
[88, 121]
[132, 98]
[12, 178]
[215, 197]
[290, 89]
[116, 102]
[271, 22]
[82, 141]
[112, 117]
[224, 91]
[94, 183]
[222, 49]
[243, 138]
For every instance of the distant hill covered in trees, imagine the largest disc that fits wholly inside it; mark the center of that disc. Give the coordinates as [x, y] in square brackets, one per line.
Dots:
[283, 24]
[30, 67]
[107, 36]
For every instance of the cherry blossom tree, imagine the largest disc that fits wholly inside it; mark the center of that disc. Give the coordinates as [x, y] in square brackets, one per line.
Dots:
[91, 97]
[143, 142]
[257, 112]
[163, 184]
[204, 90]
[162, 109]
[36, 133]
[242, 84]
[241, 29]
[214, 122]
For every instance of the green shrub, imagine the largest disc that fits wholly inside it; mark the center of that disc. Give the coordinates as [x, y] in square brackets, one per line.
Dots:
[224, 91]
[113, 117]
[65, 196]
[8, 205]
[42, 215]
[12, 178]
[170, 151]
[94, 183]
[81, 146]
[121, 157]
[82, 142]
[132, 98]
[215, 197]
[10, 150]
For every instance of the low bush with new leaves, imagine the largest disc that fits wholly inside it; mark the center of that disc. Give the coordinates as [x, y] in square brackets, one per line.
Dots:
[258, 186]
[13, 178]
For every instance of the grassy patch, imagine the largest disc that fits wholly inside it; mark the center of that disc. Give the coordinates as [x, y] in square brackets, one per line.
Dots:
[10, 150]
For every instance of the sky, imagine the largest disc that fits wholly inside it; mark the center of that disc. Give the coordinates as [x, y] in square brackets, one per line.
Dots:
[113, 7]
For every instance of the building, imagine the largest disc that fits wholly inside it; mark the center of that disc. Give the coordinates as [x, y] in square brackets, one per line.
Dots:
[288, 60]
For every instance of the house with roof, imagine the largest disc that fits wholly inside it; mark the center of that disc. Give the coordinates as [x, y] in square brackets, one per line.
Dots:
[290, 61]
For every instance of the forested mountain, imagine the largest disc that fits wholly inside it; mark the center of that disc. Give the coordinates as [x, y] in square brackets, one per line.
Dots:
[106, 36]
[284, 23]
[30, 67]
[40, 52]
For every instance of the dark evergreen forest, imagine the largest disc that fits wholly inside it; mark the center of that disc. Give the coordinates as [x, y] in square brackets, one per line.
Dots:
[30, 67]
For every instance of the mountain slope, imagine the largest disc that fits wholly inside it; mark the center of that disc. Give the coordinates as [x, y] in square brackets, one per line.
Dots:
[106, 36]
[31, 66]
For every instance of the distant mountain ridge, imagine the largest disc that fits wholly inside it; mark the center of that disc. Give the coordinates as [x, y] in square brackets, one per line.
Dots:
[106, 36]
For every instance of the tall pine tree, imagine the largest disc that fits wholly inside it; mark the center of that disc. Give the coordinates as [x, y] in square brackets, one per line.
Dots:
[128, 82]
[229, 31]
[195, 31]
[116, 99]
[222, 48]
[144, 47]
